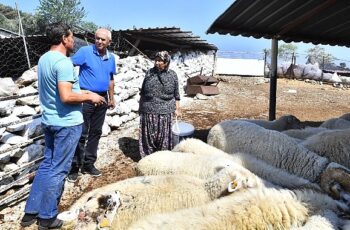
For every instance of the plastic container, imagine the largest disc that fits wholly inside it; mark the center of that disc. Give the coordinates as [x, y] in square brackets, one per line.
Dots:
[181, 130]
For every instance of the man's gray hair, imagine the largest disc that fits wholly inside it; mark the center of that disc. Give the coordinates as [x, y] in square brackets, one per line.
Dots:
[109, 33]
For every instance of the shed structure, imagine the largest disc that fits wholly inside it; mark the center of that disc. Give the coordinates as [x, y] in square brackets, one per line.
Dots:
[325, 22]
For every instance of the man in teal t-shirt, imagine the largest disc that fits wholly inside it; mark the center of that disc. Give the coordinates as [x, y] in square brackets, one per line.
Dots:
[60, 99]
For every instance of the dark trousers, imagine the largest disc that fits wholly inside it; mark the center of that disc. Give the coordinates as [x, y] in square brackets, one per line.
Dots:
[86, 152]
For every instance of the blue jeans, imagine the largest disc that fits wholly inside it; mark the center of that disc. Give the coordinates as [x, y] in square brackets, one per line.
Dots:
[47, 187]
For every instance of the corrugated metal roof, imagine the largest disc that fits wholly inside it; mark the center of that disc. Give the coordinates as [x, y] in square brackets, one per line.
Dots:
[169, 38]
[317, 21]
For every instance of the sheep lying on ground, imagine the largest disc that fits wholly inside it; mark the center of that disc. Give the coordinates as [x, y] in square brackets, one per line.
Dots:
[197, 147]
[202, 166]
[140, 196]
[333, 144]
[324, 220]
[336, 123]
[283, 123]
[271, 146]
[274, 147]
[302, 134]
[345, 116]
[251, 209]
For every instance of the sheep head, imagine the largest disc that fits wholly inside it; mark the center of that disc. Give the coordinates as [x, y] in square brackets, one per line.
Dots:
[97, 212]
[230, 179]
[336, 182]
[291, 122]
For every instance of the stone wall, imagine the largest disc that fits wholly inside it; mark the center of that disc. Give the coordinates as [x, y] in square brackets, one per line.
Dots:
[21, 137]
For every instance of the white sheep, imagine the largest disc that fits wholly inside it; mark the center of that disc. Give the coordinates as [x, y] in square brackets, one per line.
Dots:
[140, 196]
[274, 147]
[302, 134]
[324, 220]
[283, 123]
[202, 166]
[259, 167]
[336, 123]
[332, 144]
[251, 209]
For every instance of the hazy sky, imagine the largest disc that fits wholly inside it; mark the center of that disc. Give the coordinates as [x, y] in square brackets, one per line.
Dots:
[188, 15]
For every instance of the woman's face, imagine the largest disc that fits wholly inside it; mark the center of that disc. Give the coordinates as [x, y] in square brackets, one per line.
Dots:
[159, 63]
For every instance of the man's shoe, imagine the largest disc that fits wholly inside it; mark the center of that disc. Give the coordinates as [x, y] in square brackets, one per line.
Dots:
[72, 177]
[28, 219]
[52, 223]
[91, 170]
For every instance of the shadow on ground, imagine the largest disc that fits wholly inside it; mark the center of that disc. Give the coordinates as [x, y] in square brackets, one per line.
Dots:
[130, 147]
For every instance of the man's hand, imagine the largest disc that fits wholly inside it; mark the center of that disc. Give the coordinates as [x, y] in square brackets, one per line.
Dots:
[97, 99]
[111, 103]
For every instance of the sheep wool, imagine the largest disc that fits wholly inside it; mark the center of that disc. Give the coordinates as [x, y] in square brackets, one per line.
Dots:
[332, 144]
[336, 123]
[274, 147]
[253, 209]
[198, 165]
[141, 196]
[197, 147]
[283, 123]
[302, 134]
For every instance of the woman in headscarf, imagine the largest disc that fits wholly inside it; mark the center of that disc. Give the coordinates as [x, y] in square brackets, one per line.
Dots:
[159, 102]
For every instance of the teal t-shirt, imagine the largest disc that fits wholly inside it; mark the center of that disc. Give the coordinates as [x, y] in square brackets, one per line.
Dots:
[53, 67]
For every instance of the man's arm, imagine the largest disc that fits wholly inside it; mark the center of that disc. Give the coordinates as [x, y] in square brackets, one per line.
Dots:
[70, 97]
[111, 101]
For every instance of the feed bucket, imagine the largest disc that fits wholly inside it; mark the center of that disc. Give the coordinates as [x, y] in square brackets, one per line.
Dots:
[181, 130]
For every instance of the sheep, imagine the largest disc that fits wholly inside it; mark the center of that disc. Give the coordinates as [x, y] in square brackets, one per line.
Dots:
[332, 144]
[325, 220]
[251, 209]
[345, 116]
[168, 162]
[273, 147]
[336, 123]
[145, 195]
[283, 123]
[259, 167]
[302, 134]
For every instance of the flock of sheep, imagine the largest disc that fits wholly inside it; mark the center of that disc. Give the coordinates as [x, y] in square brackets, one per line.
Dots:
[251, 174]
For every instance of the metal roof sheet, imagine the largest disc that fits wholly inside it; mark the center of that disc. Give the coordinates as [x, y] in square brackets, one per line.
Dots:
[324, 22]
[170, 38]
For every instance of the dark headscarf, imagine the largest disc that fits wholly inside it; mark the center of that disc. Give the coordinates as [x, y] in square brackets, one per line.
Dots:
[165, 56]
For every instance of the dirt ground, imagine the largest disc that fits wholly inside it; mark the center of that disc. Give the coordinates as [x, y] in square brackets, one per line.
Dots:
[240, 97]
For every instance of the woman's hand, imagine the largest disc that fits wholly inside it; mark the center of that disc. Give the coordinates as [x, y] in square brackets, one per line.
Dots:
[178, 112]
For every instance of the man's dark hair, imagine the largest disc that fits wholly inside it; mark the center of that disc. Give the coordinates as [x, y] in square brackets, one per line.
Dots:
[55, 32]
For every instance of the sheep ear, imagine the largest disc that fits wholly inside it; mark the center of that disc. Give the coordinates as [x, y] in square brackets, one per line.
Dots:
[233, 186]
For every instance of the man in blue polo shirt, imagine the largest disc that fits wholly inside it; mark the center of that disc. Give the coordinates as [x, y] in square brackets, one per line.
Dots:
[97, 67]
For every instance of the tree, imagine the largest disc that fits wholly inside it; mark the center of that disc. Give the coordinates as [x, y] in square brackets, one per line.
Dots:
[66, 11]
[89, 26]
[286, 51]
[319, 55]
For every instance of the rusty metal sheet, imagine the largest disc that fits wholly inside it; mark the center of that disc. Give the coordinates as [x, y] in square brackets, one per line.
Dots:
[202, 80]
[202, 89]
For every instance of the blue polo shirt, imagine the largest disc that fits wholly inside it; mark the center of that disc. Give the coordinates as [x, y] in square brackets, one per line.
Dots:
[95, 71]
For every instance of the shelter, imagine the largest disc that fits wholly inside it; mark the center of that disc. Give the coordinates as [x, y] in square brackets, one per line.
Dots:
[324, 22]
